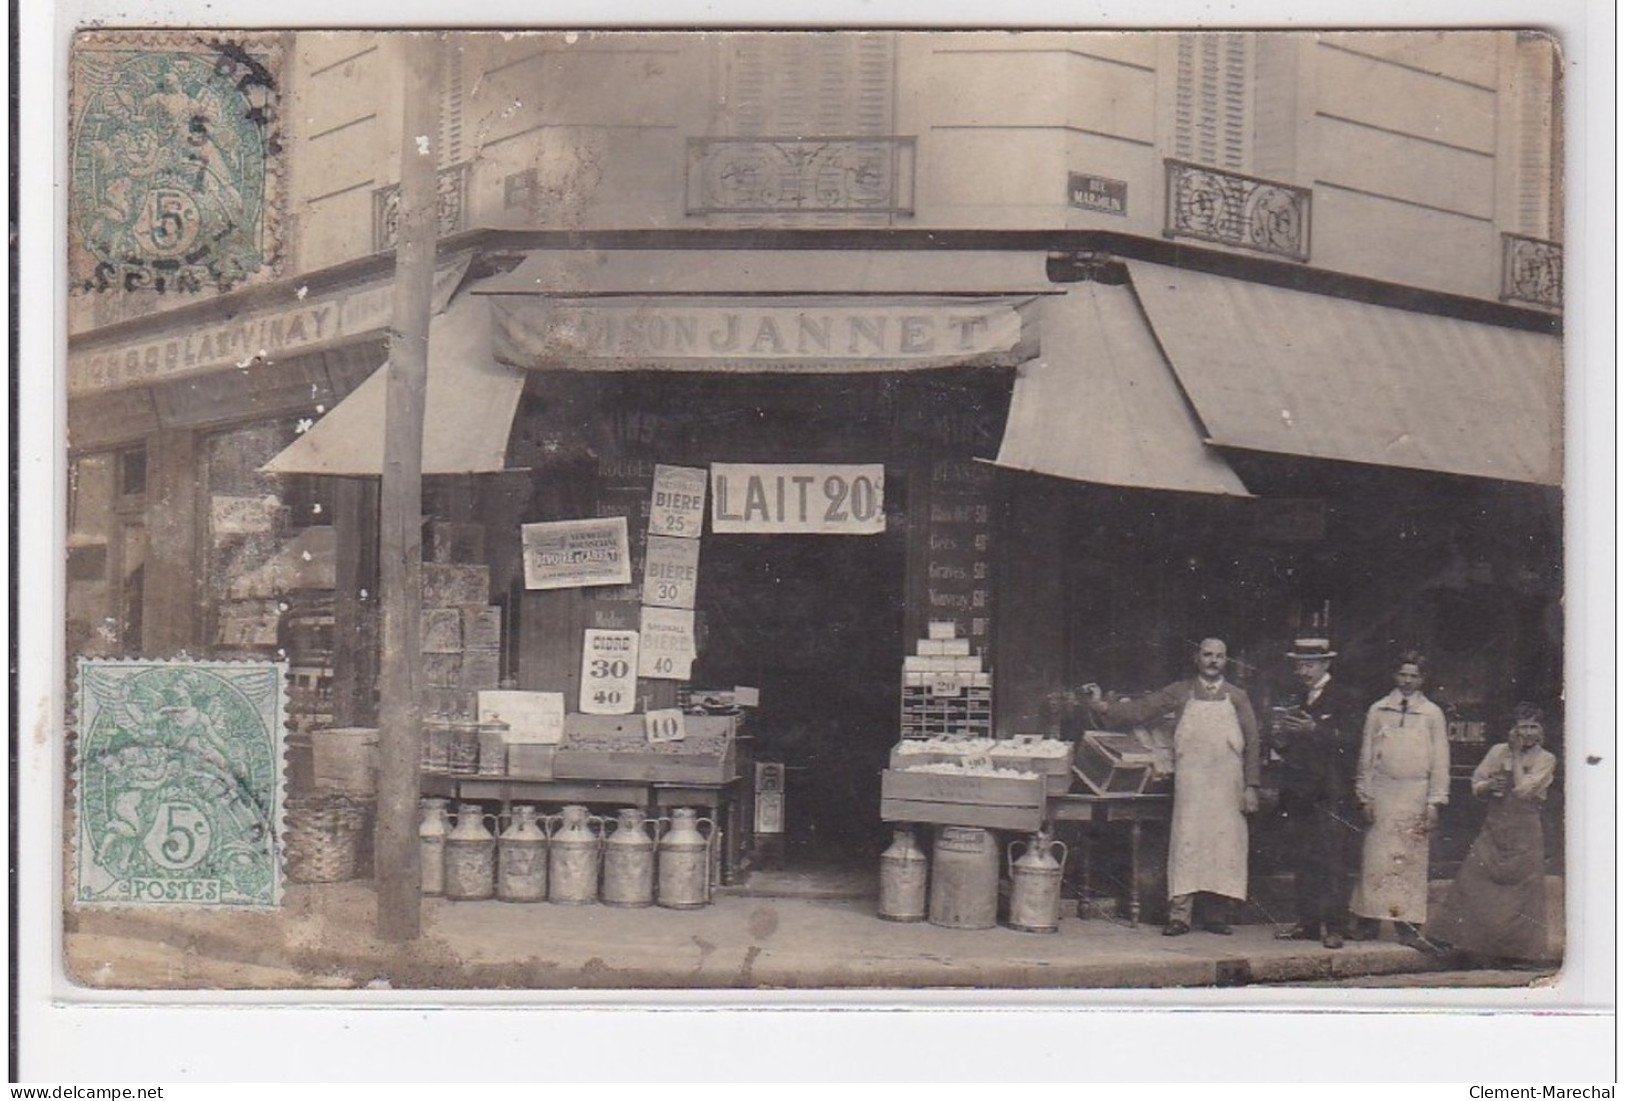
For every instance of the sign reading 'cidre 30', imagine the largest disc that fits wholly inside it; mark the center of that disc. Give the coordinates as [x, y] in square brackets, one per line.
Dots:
[798, 499]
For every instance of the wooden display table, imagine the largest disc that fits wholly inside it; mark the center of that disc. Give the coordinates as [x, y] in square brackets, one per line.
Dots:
[1100, 810]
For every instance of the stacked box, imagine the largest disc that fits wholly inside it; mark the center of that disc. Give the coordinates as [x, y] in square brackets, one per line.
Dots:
[461, 635]
[945, 689]
[451, 542]
[481, 626]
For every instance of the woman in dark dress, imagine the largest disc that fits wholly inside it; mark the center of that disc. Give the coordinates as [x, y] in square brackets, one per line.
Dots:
[1496, 909]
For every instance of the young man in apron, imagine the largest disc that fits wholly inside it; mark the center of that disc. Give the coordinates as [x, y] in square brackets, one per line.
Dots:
[1216, 772]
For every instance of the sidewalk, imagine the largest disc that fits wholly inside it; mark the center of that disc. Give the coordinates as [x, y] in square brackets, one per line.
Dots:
[323, 939]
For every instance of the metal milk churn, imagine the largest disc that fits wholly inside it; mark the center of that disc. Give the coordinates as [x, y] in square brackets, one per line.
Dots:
[432, 833]
[471, 856]
[902, 878]
[572, 856]
[629, 861]
[1035, 885]
[965, 879]
[685, 861]
[522, 859]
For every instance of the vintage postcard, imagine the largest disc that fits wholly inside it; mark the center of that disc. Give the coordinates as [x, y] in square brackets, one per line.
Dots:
[1073, 515]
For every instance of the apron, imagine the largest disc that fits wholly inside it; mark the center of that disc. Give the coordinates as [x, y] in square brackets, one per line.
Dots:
[1394, 870]
[1207, 842]
[1497, 904]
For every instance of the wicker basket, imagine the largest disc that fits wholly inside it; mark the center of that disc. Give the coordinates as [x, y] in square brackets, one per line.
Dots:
[323, 838]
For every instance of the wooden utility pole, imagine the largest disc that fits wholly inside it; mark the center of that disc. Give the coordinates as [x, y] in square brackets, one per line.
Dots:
[400, 538]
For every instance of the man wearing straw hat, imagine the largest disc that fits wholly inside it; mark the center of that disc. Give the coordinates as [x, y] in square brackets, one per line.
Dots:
[1319, 744]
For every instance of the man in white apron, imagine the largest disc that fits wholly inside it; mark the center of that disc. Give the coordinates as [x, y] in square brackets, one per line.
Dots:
[1216, 773]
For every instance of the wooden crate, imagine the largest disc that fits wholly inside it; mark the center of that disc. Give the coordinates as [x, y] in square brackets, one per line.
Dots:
[345, 759]
[442, 631]
[1057, 771]
[992, 802]
[479, 670]
[530, 762]
[613, 747]
[1114, 764]
[482, 626]
[447, 586]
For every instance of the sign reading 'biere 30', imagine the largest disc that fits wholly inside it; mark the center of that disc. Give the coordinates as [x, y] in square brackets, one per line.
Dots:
[798, 499]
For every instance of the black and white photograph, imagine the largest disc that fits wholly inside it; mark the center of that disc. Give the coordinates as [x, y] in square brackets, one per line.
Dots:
[795, 516]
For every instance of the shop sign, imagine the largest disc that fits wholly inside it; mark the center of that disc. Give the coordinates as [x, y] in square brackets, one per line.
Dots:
[671, 570]
[798, 499]
[533, 718]
[242, 515]
[666, 648]
[303, 326]
[609, 672]
[649, 330]
[678, 505]
[572, 554]
[1097, 193]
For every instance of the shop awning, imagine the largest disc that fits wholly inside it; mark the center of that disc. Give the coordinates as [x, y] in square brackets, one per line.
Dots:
[1270, 369]
[1100, 404]
[468, 413]
[775, 311]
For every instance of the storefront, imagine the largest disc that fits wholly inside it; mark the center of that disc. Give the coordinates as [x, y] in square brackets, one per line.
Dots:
[1081, 468]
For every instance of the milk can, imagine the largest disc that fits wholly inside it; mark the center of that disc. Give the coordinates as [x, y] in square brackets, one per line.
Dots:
[432, 833]
[463, 756]
[629, 861]
[965, 879]
[1035, 885]
[471, 856]
[572, 856]
[492, 735]
[685, 861]
[522, 859]
[902, 878]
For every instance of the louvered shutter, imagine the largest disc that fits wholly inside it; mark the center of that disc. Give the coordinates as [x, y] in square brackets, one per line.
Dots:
[1213, 105]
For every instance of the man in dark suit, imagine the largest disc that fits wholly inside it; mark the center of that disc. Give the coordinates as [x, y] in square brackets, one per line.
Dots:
[1319, 744]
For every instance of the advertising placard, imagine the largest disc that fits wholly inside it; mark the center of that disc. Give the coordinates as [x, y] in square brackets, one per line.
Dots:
[798, 499]
[677, 508]
[609, 672]
[671, 570]
[533, 718]
[573, 554]
[667, 647]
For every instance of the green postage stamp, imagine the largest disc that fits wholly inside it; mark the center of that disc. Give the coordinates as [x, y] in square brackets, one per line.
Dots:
[178, 783]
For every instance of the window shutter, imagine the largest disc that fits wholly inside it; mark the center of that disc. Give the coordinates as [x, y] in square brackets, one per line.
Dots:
[1213, 105]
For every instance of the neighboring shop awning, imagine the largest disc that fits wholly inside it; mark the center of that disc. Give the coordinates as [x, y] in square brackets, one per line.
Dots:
[1270, 369]
[1100, 404]
[780, 311]
[468, 408]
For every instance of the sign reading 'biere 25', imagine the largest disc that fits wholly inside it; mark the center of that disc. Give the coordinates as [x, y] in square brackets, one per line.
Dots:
[798, 499]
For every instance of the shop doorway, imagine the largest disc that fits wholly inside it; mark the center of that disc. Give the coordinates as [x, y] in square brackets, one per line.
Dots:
[815, 623]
